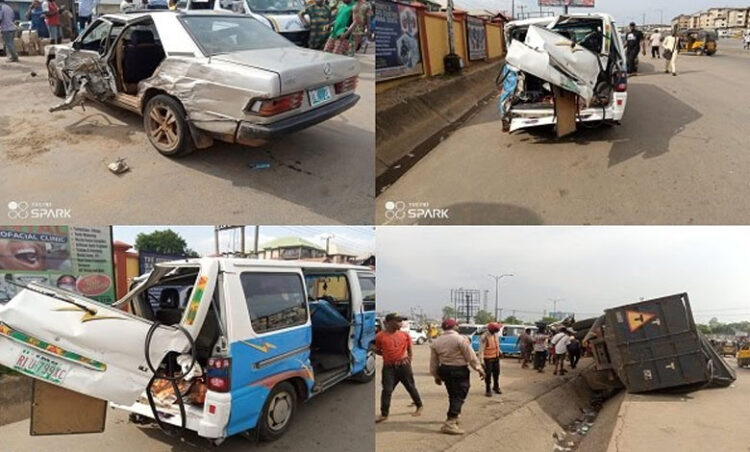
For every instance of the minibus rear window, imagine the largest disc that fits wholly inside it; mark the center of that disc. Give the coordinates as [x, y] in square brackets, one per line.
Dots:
[274, 300]
[367, 285]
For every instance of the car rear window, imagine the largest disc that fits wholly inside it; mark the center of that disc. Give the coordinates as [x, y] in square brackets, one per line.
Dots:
[222, 34]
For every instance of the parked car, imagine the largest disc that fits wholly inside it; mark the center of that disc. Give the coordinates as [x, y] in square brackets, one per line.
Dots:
[578, 53]
[255, 337]
[198, 76]
[418, 337]
[509, 338]
[280, 15]
[473, 332]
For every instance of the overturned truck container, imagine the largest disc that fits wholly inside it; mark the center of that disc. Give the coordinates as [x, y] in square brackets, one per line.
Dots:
[655, 345]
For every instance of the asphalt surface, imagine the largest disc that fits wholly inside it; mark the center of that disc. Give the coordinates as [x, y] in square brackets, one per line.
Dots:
[339, 419]
[404, 432]
[679, 157]
[322, 175]
[709, 419]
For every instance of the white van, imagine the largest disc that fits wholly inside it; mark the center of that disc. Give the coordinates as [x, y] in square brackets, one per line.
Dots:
[280, 15]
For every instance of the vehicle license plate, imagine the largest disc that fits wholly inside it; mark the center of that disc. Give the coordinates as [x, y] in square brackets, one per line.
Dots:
[320, 95]
[38, 365]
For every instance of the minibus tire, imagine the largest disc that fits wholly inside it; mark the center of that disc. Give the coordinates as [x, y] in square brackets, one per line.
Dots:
[266, 432]
[363, 376]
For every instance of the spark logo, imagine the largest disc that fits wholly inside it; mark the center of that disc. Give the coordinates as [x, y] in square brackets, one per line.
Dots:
[400, 210]
[22, 210]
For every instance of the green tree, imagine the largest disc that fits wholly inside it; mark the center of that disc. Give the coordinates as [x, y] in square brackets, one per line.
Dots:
[483, 317]
[449, 312]
[165, 242]
[512, 320]
[705, 329]
[548, 320]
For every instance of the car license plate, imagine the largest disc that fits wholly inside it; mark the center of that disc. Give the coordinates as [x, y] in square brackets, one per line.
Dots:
[320, 95]
[38, 365]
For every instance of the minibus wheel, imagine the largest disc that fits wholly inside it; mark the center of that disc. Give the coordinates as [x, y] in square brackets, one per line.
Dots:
[278, 412]
[368, 373]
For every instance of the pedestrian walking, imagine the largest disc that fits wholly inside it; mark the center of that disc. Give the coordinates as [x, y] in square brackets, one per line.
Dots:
[560, 342]
[574, 351]
[540, 349]
[8, 29]
[633, 44]
[86, 10]
[362, 14]
[450, 357]
[671, 46]
[52, 18]
[489, 350]
[655, 40]
[394, 345]
[319, 14]
[746, 39]
[525, 345]
[339, 41]
[35, 15]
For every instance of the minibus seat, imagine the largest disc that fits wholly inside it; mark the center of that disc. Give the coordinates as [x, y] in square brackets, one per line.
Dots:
[330, 341]
[169, 312]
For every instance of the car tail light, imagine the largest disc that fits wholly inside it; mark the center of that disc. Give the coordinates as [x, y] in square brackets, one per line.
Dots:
[622, 82]
[346, 85]
[217, 374]
[270, 107]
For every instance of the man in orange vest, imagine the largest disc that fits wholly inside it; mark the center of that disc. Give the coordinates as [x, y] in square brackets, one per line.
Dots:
[489, 350]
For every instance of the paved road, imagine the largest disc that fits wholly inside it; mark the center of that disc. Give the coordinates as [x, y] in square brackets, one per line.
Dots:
[711, 419]
[322, 175]
[679, 157]
[408, 433]
[337, 420]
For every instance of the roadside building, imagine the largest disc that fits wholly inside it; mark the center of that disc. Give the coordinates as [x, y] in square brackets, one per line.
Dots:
[681, 22]
[292, 248]
[338, 254]
[737, 19]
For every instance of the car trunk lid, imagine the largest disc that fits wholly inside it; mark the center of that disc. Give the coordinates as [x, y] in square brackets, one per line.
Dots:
[297, 68]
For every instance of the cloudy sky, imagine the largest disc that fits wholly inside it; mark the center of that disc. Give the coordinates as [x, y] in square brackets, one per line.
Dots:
[589, 268]
[201, 238]
[623, 11]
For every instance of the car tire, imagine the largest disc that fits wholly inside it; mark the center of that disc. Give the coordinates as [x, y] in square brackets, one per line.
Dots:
[368, 373]
[55, 84]
[166, 128]
[278, 412]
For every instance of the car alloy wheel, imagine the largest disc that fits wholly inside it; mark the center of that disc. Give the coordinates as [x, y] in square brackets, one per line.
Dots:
[163, 127]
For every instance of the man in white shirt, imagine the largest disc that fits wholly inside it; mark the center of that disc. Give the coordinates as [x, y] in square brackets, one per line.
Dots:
[560, 341]
[655, 40]
[86, 11]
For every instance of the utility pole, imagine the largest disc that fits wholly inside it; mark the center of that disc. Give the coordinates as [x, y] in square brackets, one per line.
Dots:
[554, 305]
[497, 281]
[216, 240]
[521, 7]
[328, 243]
[513, 10]
[257, 234]
[486, 294]
[468, 308]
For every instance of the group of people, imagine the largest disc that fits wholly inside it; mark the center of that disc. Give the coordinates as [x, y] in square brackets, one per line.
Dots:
[666, 46]
[340, 27]
[452, 359]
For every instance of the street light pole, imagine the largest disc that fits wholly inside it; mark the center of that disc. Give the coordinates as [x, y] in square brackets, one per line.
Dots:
[497, 281]
[554, 305]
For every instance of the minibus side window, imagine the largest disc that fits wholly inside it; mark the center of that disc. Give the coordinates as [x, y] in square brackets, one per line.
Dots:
[367, 285]
[274, 300]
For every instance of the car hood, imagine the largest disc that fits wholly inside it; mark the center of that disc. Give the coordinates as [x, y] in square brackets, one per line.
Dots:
[297, 68]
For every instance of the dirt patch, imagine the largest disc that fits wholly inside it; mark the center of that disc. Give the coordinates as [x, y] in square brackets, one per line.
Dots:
[15, 397]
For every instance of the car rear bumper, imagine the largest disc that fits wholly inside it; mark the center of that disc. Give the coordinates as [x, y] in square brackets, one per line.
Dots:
[250, 133]
[534, 118]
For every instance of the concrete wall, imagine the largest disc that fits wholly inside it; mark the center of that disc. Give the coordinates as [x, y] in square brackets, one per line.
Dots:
[495, 41]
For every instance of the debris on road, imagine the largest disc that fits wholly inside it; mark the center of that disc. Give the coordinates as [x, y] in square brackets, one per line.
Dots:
[118, 166]
[259, 165]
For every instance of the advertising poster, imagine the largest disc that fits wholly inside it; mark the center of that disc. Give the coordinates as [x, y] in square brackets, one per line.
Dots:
[476, 38]
[571, 3]
[397, 40]
[147, 260]
[78, 259]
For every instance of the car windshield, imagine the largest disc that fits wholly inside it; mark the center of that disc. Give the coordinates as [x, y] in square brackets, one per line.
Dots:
[222, 34]
[276, 6]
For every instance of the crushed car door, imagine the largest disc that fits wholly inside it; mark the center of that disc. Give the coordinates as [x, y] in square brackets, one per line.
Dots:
[77, 343]
[557, 60]
[84, 66]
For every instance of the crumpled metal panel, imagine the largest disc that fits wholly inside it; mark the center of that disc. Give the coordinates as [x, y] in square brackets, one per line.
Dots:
[555, 59]
[83, 76]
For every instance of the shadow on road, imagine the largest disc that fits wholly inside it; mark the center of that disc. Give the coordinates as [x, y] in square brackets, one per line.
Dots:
[486, 213]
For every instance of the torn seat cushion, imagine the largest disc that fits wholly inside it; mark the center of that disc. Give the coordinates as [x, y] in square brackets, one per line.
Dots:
[141, 56]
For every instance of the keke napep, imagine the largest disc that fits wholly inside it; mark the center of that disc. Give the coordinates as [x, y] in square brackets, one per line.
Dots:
[218, 346]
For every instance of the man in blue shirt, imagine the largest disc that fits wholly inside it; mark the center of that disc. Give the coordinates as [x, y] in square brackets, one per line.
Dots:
[8, 29]
[85, 13]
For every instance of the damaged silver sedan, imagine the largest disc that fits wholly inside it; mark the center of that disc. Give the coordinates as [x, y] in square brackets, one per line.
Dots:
[200, 76]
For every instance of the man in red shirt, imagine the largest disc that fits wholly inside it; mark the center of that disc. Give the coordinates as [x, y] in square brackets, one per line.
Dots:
[394, 346]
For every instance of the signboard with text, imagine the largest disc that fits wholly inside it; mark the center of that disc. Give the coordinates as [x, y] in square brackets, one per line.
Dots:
[74, 258]
[397, 51]
[147, 260]
[476, 38]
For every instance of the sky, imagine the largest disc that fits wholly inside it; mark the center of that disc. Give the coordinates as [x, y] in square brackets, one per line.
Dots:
[359, 239]
[623, 11]
[589, 268]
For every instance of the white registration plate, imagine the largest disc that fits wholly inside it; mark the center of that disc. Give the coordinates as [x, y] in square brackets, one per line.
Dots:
[41, 366]
[320, 95]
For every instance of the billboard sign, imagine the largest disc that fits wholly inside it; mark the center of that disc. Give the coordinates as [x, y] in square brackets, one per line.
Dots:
[147, 260]
[74, 258]
[476, 38]
[570, 3]
[397, 51]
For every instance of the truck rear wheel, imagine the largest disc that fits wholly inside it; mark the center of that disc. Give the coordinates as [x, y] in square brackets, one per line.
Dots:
[278, 412]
